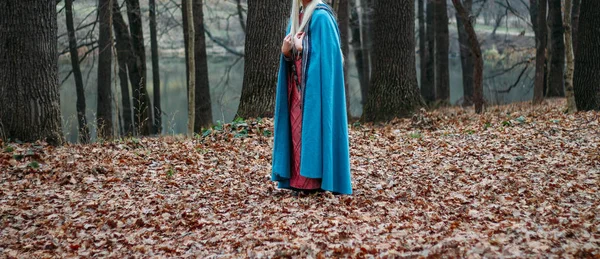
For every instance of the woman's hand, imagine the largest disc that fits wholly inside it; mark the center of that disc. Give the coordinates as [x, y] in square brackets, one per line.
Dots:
[286, 47]
[298, 41]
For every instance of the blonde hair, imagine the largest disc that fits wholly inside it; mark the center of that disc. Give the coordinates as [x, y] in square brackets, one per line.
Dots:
[308, 11]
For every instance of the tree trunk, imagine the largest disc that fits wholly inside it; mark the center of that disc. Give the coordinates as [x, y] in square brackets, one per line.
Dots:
[240, 15]
[557, 59]
[357, 46]
[366, 20]
[266, 28]
[394, 91]
[499, 18]
[141, 100]
[343, 16]
[422, 43]
[127, 122]
[466, 55]
[442, 73]
[428, 85]
[127, 64]
[575, 23]
[586, 80]
[533, 14]
[192, 68]
[84, 131]
[571, 106]
[104, 116]
[475, 53]
[157, 129]
[203, 112]
[29, 94]
[186, 40]
[538, 90]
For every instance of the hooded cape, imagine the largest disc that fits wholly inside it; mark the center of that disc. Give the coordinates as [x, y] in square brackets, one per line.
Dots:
[325, 150]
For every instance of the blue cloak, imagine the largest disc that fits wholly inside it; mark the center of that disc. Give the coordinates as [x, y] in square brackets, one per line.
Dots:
[325, 150]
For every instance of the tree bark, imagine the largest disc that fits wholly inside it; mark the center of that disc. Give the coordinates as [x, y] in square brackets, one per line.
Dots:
[557, 58]
[475, 50]
[84, 131]
[203, 111]
[143, 110]
[575, 23]
[533, 14]
[265, 31]
[571, 106]
[357, 46]
[428, 85]
[442, 73]
[157, 129]
[422, 43]
[186, 39]
[128, 69]
[394, 91]
[538, 90]
[466, 55]
[366, 20]
[191, 68]
[29, 94]
[343, 16]
[104, 118]
[586, 80]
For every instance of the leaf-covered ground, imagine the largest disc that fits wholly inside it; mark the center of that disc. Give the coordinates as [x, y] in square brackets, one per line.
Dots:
[518, 181]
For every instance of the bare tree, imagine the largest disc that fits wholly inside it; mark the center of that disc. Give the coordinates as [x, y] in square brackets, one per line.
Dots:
[575, 23]
[428, 83]
[476, 54]
[556, 50]
[500, 15]
[143, 110]
[538, 90]
[157, 124]
[203, 106]
[84, 131]
[342, 8]
[356, 41]
[104, 105]
[442, 69]
[191, 67]
[571, 106]
[366, 20]
[128, 69]
[466, 53]
[422, 43]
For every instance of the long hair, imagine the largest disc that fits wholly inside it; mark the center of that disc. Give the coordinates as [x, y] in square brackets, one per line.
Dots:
[308, 11]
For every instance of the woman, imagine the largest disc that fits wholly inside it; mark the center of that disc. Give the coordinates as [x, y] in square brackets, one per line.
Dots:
[310, 149]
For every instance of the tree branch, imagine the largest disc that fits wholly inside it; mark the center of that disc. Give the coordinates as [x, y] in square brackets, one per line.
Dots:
[241, 16]
[517, 82]
[514, 12]
[216, 41]
[527, 62]
[80, 60]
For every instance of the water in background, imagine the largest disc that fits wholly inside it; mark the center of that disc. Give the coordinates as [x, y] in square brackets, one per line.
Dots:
[226, 75]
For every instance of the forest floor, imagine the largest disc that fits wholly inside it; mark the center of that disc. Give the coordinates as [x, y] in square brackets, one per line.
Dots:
[517, 181]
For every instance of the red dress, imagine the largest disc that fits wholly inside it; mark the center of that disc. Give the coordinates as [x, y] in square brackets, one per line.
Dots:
[295, 107]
